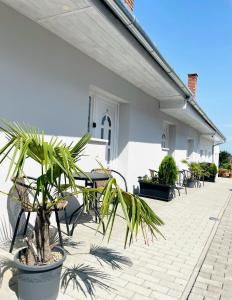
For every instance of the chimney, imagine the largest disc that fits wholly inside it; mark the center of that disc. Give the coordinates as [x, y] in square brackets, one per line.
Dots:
[130, 4]
[192, 83]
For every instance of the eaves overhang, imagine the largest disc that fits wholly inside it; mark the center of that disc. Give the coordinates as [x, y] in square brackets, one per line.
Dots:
[133, 25]
[106, 31]
[186, 112]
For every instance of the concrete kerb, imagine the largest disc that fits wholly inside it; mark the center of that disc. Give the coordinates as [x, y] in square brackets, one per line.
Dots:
[202, 257]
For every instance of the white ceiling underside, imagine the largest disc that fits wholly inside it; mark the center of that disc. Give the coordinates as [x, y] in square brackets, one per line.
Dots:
[184, 112]
[86, 27]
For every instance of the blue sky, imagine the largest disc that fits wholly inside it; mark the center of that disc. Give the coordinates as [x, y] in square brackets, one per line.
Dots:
[195, 36]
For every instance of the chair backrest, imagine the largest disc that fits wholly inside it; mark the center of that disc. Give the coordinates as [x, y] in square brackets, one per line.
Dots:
[103, 183]
[23, 191]
[183, 175]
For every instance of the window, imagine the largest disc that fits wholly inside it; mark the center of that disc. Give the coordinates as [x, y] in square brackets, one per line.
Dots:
[190, 146]
[201, 154]
[106, 134]
[165, 136]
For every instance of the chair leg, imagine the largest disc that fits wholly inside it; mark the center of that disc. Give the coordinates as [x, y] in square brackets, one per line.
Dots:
[26, 224]
[66, 221]
[58, 228]
[100, 219]
[16, 229]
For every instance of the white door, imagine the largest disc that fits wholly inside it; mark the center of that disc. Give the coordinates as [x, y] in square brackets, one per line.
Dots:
[105, 125]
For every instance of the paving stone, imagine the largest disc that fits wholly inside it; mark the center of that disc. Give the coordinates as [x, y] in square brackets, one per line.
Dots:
[215, 273]
[194, 296]
[161, 270]
[138, 289]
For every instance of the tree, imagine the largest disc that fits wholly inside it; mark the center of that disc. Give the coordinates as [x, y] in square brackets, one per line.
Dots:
[224, 158]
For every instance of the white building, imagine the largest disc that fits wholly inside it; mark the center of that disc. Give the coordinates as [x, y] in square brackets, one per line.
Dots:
[70, 66]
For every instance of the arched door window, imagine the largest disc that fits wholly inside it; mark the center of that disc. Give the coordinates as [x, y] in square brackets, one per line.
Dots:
[163, 142]
[106, 128]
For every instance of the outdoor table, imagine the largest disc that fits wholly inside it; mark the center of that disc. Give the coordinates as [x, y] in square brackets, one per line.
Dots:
[91, 178]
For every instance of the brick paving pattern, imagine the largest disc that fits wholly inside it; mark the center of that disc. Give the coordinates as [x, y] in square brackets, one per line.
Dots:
[161, 271]
[215, 277]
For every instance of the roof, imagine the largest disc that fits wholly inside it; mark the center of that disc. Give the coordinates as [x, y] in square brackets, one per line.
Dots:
[124, 14]
[106, 31]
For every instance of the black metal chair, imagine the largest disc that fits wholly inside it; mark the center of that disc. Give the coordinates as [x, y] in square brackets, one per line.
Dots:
[103, 184]
[177, 186]
[71, 213]
[110, 172]
[23, 191]
[194, 177]
[181, 182]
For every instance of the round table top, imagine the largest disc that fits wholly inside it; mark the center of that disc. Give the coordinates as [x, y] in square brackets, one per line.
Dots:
[93, 176]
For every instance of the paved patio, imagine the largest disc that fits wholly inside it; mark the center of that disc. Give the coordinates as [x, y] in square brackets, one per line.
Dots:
[214, 280]
[166, 269]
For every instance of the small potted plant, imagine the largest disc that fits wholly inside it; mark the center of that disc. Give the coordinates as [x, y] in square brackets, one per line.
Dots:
[209, 171]
[39, 263]
[161, 186]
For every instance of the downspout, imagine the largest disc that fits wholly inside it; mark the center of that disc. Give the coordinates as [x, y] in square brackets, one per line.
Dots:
[214, 145]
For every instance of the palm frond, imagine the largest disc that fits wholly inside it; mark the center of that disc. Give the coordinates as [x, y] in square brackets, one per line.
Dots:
[136, 212]
[84, 278]
[109, 256]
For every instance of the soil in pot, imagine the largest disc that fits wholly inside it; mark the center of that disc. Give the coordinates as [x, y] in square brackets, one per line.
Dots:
[39, 282]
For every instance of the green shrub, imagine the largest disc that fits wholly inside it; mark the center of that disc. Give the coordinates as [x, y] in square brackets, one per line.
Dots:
[168, 172]
[226, 165]
[194, 167]
[209, 169]
[213, 169]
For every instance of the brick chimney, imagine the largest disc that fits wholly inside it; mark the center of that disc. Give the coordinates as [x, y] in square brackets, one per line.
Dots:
[130, 4]
[192, 83]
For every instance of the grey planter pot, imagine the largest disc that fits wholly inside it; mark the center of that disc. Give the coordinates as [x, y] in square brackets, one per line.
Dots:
[190, 183]
[38, 283]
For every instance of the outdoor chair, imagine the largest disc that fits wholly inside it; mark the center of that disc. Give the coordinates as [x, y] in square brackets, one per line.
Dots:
[181, 182]
[23, 191]
[193, 177]
[118, 175]
[103, 184]
[153, 173]
[71, 213]
[177, 186]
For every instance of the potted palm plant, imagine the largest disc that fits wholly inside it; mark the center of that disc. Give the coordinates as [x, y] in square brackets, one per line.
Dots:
[195, 172]
[39, 263]
[161, 186]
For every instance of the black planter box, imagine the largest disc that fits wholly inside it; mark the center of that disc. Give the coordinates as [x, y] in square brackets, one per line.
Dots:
[209, 179]
[156, 191]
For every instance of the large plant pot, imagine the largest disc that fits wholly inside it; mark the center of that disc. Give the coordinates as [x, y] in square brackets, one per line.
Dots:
[39, 282]
[209, 178]
[156, 191]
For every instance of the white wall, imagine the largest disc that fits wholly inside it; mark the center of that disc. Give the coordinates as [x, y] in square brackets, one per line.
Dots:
[46, 82]
[206, 146]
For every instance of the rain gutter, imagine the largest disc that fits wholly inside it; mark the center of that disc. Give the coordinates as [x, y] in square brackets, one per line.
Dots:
[129, 20]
